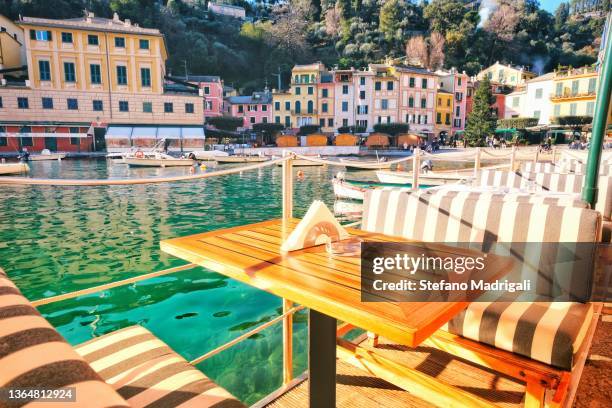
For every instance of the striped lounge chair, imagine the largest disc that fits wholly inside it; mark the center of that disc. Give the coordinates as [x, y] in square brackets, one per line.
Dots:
[567, 183]
[551, 333]
[126, 368]
[605, 168]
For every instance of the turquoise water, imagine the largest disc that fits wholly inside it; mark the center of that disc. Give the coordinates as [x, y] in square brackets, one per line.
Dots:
[59, 239]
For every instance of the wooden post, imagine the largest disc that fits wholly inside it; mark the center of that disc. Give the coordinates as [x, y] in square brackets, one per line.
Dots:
[513, 159]
[321, 360]
[287, 181]
[537, 153]
[477, 161]
[287, 343]
[416, 162]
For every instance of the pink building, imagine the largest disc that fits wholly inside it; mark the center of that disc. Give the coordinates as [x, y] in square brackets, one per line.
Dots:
[256, 108]
[457, 84]
[418, 87]
[211, 89]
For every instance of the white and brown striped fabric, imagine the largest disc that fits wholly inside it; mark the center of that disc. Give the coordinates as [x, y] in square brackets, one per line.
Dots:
[147, 373]
[605, 168]
[531, 167]
[34, 355]
[523, 326]
[553, 182]
[563, 201]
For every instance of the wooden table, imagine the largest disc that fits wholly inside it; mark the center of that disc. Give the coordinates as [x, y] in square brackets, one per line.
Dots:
[330, 286]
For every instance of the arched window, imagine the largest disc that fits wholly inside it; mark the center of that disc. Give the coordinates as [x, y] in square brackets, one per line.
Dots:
[298, 107]
[310, 107]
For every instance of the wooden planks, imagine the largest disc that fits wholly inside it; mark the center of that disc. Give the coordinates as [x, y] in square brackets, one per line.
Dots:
[311, 277]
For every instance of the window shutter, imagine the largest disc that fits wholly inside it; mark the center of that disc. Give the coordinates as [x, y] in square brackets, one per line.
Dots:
[49, 36]
[32, 34]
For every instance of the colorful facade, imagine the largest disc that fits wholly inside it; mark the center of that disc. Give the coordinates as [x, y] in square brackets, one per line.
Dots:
[457, 84]
[281, 108]
[211, 89]
[506, 74]
[326, 103]
[363, 89]
[573, 92]
[305, 80]
[444, 113]
[385, 95]
[256, 108]
[344, 98]
[418, 88]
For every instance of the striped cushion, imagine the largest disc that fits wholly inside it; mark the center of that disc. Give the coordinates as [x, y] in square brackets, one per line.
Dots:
[605, 169]
[34, 354]
[442, 218]
[146, 372]
[563, 201]
[569, 183]
[541, 168]
[548, 332]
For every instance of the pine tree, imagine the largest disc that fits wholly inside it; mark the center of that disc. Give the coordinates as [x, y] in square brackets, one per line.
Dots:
[481, 122]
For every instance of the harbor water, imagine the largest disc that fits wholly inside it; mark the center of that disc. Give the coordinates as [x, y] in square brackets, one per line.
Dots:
[55, 240]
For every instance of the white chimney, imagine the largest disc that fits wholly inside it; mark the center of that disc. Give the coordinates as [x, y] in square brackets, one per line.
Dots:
[127, 22]
[115, 17]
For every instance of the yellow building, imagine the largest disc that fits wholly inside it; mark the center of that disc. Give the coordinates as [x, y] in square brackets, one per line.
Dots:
[281, 108]
[444, 113]
[506, 74]
[574, 92]
[11, 41]
[304, 84]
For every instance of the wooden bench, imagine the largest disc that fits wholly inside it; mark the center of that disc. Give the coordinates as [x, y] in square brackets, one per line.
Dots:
[127, 368]
[543, 344]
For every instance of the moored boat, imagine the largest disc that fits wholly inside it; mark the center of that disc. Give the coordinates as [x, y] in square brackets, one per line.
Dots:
[430, 178]
[14, 168]
[158, 160]
[209, 155]
[345, 190]
[304, 162]
[357, 164]
[46, 154]
[240, 159]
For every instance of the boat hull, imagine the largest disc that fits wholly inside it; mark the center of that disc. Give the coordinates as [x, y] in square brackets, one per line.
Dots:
[240, 159]
[430, 179]
[345, 190]
[43, 157]
[209, 154]
[356, 165]
[14, 168]
[303, 163]
[134, 162]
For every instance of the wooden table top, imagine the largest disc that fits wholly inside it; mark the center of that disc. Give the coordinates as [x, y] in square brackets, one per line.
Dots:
[311, 277]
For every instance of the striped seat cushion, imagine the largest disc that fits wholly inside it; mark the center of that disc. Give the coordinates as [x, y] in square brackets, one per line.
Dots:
[34, 354]
[500, 178]
[146, 372]
[605, 169]
[551, 333]
[563, 201]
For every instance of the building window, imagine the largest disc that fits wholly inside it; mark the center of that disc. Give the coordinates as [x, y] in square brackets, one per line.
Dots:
[44, 69]
[3, 140]
[298, 90]
[377, 86]
[536, 114]
[310, 107]
[23, 103]
[573, 109]
[557, 110]
[590, 108]
[559, 89]
[168, 107]
[362, 81]
[47, 103]
[92, 39]
[362, 109]
[98, 106]
[145, 77]
[26, 142]
[94, 73]
[1, 105]
[322, 122]
[69, 72]
[277, 105]
[592, 83]
[252, 119]
[361, 94]
[447, 119]
[74, 141]
[538, 93]
[438, 118]
[324, 93]
[144, 44]
[147, 107]
[206, 90]
[189, 108]
[298, 107]
[324, 108]
[459, 81]
[287, 121]
[67, 38]
[344, 122]
[345, 89]
[287, 105]
[344, 106]
[72, 104]
[384, 104]
[209, 105]
[121, 75]
[411, 102]
[119, 42]
[264, 108]
[310, 90]
[515, 102]
[411, 82]
[240, 108]
[457, 123]
[423, 103]
[389, 85]
[124, 106]
[575, 86]
[277, 119]
[330, 122]
[40, 35]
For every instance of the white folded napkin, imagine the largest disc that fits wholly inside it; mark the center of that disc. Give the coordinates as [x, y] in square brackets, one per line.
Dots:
[317, 227]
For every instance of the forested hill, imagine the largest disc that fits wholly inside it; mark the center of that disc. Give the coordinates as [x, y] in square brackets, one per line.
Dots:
[351, 33]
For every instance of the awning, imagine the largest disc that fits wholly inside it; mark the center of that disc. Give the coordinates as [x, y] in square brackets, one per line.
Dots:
[142, 132]
[505, 130]
[169, 133]
[118, 132]
[193, 132]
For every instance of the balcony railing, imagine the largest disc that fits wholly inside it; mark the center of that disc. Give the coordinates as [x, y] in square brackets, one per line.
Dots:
[568, 94]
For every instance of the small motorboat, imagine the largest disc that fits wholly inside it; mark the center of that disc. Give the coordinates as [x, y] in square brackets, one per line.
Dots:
[157, 160]
[358, 164]
[429, 178]
[46, 154]
[14, 168]
[209, 155]
[348, 191]
[240, 158]
[303, 162]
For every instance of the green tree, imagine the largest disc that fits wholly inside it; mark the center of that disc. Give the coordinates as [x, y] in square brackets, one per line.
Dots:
[444, 15]
[481, 122]
[390, 18]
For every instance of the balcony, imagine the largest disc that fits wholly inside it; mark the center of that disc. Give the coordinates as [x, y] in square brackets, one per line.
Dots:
[568, 94]
[574, 72]
[304, 112]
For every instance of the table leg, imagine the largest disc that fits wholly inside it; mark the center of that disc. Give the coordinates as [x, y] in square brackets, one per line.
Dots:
[321, 360]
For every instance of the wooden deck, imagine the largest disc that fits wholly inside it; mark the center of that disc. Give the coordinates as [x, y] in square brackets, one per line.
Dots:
[356, 387]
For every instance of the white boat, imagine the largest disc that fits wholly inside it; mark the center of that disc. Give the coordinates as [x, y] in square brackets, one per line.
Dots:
[357, 164]
[14, 168]
[303, 162]
[209, 155]
[430, 178]
[158, 160]
[346, 190]
[46, 154]
[239, 158]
